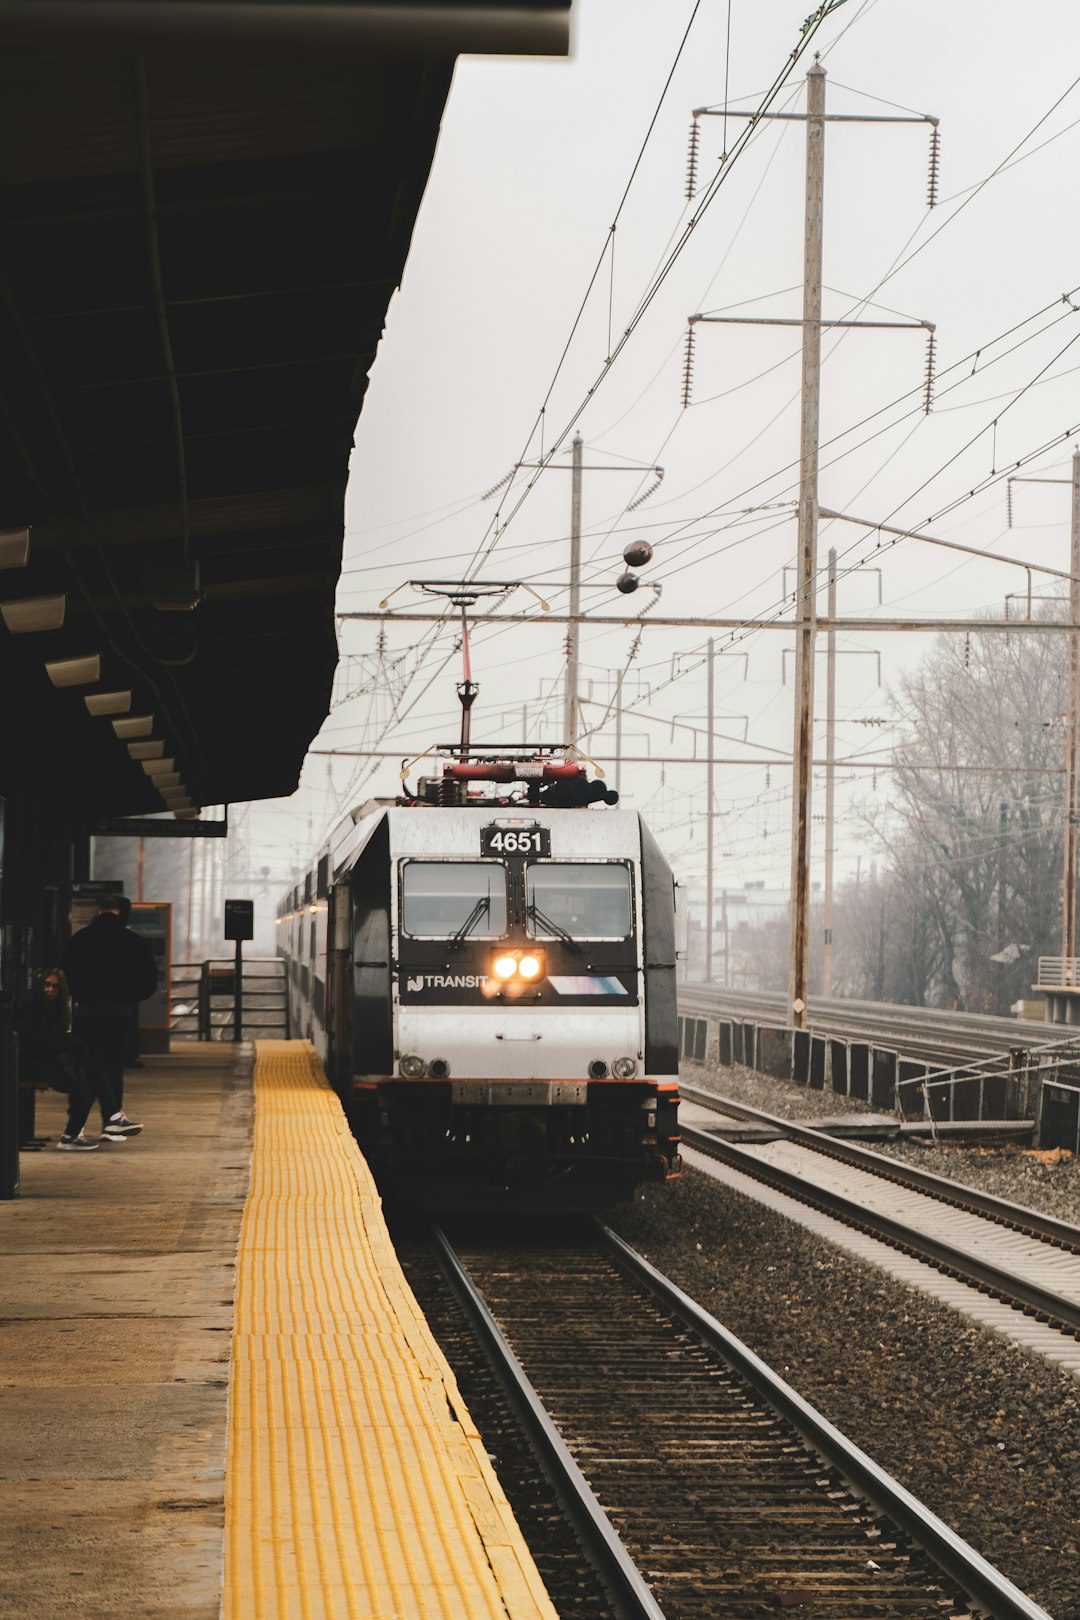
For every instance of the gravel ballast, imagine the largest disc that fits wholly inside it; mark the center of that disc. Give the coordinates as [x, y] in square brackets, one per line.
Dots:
[985, 1434]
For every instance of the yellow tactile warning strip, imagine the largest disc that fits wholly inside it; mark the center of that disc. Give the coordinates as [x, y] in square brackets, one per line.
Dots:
[357, 1486]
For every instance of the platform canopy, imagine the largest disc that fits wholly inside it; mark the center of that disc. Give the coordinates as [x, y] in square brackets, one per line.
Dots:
[204, 211]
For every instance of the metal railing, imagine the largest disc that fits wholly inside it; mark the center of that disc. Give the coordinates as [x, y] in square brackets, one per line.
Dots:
[1014, 1080]
[1059, 972]
[202, 1000]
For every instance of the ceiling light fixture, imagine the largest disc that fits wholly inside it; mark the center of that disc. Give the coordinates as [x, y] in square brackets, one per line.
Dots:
[34, 613]
[108, 702]
[169, 779]
[14, 548]
[137, 725]
[158, 767]
[146, 750]
[74, 671]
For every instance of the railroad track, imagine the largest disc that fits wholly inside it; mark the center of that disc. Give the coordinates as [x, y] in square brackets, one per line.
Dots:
[923, 1032]
[711, 1486]
[1028, 1259]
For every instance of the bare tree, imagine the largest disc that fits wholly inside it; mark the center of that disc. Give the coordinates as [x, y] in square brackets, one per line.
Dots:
[972, 839]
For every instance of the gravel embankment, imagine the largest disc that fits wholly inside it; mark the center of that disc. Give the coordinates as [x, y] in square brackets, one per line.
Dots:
[1047, 1183]
[985, 1434]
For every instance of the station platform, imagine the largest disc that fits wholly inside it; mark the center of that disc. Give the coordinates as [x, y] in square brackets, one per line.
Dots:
[217, 1394]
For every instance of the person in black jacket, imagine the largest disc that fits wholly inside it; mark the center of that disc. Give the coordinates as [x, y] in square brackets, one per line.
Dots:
[108, 968]
[49, 1055]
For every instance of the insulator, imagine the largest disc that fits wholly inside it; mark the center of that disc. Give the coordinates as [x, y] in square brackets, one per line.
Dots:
[935, 161]
[652, 489]
[692, 159]
[495, 488]
[637, 553]
[931, 357]
[688, 366]
[967, 650]
[1008, 503]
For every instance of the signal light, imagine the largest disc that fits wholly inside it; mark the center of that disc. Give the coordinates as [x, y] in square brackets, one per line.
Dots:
[529, 967]
[504, 967]
[637, 553]
[627, 583]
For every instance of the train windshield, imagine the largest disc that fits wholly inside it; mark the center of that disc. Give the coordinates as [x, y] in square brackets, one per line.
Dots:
[443, 898]
[585, 900]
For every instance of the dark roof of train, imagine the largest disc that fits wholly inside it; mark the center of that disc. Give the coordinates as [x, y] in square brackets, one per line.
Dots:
[198, 249]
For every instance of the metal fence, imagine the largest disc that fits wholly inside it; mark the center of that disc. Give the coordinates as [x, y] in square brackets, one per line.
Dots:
[202, 999]
[1059, 972]
[1033, 1086]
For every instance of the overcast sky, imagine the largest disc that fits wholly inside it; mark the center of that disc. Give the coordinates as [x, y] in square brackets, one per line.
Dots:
[533, 162]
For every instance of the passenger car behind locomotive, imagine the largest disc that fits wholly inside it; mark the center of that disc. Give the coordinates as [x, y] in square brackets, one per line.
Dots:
[488, 972]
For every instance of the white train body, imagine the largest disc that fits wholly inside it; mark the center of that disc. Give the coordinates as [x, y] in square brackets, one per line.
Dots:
[492, 989]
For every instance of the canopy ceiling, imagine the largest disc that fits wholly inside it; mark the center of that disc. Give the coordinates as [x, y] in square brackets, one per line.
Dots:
[201, 226]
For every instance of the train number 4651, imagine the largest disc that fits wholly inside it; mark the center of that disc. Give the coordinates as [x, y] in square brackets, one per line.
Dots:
[515, 841]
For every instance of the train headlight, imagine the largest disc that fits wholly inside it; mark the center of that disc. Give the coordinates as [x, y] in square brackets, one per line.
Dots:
[412, 1067]
[515, 968]
[624, 1067]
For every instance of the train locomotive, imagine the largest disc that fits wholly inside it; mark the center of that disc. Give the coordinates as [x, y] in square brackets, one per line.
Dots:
[487, 969]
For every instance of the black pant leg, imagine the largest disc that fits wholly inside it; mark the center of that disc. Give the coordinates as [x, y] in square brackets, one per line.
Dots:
[80, 1102]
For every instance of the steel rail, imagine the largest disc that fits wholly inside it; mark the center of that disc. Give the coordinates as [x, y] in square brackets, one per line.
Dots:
[1005, 1285]
[998, 1033]
[630, 1594]
[1017, 1217]
[976, 1578]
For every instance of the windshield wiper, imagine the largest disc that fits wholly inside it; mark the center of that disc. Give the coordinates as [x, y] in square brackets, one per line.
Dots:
[481, 909]
[544, 921]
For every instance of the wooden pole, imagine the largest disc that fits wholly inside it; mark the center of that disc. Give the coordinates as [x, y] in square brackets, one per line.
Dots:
[806, 607]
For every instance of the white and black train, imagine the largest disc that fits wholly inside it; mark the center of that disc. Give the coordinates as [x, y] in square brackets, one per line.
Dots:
[488, 972]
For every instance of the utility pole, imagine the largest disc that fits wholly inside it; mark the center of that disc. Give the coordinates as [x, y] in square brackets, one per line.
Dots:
[571, 713]
[727, 940]
[815, 119]
[830, 780]
[1072, 718]
[1068, 890]
[571, 710]
[1003, 849]
[803, 745]
[618, 731]
[709, 835]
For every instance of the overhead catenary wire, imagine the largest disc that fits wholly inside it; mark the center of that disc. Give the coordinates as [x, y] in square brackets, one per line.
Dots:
[810, 28]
